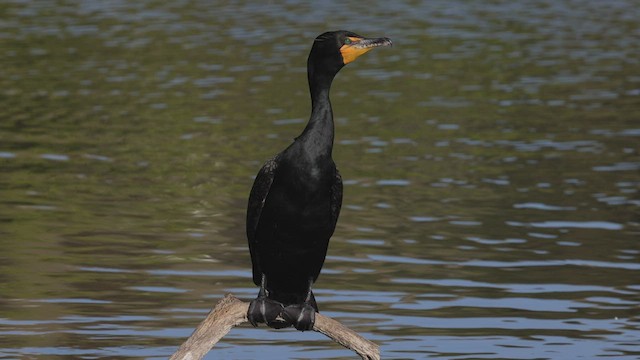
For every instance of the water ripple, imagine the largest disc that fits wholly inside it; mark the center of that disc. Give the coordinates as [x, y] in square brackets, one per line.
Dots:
[604, 225]
[507, 264]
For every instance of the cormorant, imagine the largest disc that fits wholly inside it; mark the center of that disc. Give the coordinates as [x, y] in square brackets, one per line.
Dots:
[296, 198]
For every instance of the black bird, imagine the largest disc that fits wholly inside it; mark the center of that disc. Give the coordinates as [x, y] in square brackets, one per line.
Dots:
[296, 198]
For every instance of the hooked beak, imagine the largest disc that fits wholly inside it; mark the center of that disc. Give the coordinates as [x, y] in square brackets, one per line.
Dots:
[359, 46]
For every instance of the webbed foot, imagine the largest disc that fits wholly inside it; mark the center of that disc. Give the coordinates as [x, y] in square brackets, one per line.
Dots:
[263, 310]
[301, 316]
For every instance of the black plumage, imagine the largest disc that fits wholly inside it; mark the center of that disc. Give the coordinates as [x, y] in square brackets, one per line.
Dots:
[296, 198]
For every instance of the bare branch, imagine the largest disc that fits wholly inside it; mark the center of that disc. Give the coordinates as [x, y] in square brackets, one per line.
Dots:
[230, 312]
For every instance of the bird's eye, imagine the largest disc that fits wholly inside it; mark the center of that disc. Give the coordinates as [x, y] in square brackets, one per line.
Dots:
[347, 41]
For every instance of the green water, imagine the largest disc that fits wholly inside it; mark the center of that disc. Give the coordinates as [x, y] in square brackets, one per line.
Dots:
[490, 161]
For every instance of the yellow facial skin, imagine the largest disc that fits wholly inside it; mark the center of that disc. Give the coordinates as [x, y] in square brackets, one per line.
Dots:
[351, 51]
[356, 46]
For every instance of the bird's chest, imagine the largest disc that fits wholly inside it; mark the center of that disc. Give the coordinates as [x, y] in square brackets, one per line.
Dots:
[302, 191]
[310, 179]
[306, 182]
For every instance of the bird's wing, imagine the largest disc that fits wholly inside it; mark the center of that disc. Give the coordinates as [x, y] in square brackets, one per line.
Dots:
[336, 199]
[257, 197]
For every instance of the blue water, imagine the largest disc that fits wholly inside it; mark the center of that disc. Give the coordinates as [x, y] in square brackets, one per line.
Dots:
[490, 163]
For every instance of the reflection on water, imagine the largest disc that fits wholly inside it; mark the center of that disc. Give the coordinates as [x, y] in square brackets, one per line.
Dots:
[490, 162]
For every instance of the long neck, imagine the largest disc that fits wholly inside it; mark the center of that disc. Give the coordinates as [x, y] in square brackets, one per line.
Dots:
[320, 129]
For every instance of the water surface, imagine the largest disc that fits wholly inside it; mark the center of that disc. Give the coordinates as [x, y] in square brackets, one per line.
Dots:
[490, 161]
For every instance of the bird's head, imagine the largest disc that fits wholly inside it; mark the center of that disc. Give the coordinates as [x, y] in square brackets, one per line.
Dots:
[334, 49]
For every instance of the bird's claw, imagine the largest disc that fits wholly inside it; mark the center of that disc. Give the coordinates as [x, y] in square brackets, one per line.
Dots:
[301, 316]
[264, 310]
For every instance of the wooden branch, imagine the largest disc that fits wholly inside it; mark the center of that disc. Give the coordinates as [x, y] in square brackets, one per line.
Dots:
[230, 312]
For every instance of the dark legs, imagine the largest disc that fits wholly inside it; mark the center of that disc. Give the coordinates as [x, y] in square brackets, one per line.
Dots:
[302, 316]
[264, 310]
